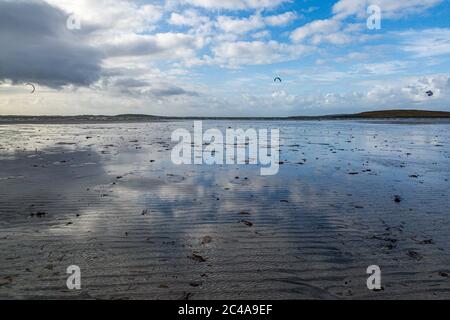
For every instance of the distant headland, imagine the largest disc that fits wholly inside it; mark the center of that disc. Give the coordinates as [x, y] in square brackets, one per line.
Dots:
[381, 114]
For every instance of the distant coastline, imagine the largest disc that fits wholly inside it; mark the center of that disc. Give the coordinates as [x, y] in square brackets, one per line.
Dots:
[371, 115]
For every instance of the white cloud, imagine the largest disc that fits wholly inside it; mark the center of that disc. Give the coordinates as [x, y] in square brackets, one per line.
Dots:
[281, 19]
[254, 22]
[256, 52]
[318, 28]
[426, 43]
[390, 9]
[116, 15]
[234, 4]
[261, 35]
[399, 93]
[335, 31]
[240, 26]
[411, 89]
[382, 68]
[189, 18]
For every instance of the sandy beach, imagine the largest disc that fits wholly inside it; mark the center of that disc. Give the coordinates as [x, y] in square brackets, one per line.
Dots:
[107, 198]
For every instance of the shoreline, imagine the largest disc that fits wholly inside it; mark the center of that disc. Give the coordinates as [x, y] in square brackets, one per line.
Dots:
[391, 115]
[112, 120]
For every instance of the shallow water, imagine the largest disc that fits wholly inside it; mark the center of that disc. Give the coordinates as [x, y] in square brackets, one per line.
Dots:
[115, 205]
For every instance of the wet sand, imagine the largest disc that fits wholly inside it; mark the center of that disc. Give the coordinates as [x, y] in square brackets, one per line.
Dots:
[107, 198]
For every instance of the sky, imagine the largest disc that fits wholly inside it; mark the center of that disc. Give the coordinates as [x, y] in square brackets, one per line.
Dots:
[220, 57]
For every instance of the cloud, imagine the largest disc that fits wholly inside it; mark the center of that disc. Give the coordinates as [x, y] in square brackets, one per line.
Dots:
[261, 34]
[143, 88]
[124, 28]
[114, 16]
[410, 90]
[189, 18]
[256, 52]
[170, 90]
[390, 9]
[335, 31]
[235, 4]
[318, 29]
[240, 26]
[403, 93]
[159, 46]
[382, 68]
[37, 47]
[254, 22]
[425, 43]
[281, 19]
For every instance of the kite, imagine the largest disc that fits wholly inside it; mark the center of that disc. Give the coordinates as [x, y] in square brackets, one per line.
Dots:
[30, 84]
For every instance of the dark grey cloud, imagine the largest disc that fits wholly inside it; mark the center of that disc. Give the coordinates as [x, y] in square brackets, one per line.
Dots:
[164, 45]
[144, 88]
[161, 90]
[171, 91]
[36, 46]
[130, 83]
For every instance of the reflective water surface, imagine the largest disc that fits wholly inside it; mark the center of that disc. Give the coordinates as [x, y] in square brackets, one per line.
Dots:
[106, 197]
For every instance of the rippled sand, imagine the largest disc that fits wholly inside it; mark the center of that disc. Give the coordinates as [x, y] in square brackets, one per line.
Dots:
[107, 198]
